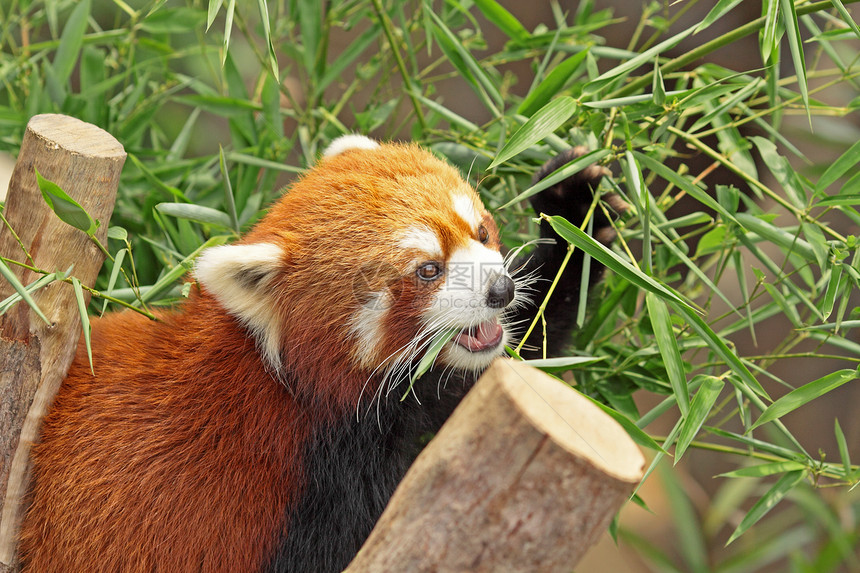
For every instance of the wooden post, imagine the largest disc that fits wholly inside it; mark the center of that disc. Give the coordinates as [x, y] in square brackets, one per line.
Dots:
[524, 476]
[85, 161]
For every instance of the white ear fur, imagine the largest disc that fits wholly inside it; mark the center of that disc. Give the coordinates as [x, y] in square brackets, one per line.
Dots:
[237, 275]
[347, 142]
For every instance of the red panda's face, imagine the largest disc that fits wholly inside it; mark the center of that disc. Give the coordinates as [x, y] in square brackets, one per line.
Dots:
[376, 251]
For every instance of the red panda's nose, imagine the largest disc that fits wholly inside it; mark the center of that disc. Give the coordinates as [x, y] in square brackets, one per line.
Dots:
[501, 292]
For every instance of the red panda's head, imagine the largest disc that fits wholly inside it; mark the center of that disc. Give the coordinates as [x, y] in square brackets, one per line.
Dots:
[370, 255]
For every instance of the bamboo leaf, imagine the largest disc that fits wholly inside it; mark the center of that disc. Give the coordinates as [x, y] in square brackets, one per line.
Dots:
[228, 192]
[85, 319]
[212, 12]
[806, 393]
[795, 45]
[767, 502]
[503, 20]
[67, 209]
[560, 174]
[763, 470]
[838, 168]
[196, 213]
[703, 403]
[718, 11]
[551, 85]
[842, 444]
[543, 123]
[114, 275]
[21, 290]
[436, 345]
[668, 345]
[633, 63]
[71, 42]
[575, 236]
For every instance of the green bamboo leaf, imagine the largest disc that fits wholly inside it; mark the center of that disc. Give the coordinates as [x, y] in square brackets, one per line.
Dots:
[228, 191]
[635, 433]
[841, 199]
[67, 209]
[214, 7]
[543, 123]
[503, 20]
[575, 236]
[782, 170]
[668, 345]
[839, 167]
[750, 386]
[334, 70]
[439, 341]
[683, 183]
[703, 403]
[85, 319]
[154, 180]
[843, 448]
[561, 174]
[633, 63]
[718, 11]
[763, 470]
[774, 495]
[267, 36]
[71, 42]
[259, 162]
[795, 45]
[562, 363]
[196, 213]
[768, 40]
[627, 100]
[846, 16]
[119, 258]
[169, 278]
[658, 90]
[21, 290]
[551, 84]
[465, 63]
[310, 23]
[788, 241]
[228, 29]
[806, 393]
[15, 298]
[833, 287]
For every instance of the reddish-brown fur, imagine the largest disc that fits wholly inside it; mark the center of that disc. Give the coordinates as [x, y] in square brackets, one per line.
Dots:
[183, 452]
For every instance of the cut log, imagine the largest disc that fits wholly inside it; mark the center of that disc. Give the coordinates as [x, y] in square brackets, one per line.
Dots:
[524, 476]
[85, 161]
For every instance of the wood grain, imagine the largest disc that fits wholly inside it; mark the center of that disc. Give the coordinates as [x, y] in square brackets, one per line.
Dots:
[524, 476]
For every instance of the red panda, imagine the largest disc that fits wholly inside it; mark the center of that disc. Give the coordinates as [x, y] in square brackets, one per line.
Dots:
[259, 426]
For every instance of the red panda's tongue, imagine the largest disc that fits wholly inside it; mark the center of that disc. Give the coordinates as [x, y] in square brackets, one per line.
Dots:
[485, 335]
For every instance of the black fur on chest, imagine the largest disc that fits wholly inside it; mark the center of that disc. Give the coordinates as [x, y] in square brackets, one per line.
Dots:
[352, 468]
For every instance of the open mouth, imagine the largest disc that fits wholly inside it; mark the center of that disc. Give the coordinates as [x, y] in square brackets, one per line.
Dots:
[485, 336]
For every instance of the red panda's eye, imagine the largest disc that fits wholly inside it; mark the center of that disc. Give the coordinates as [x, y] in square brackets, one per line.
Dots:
[429, 271]
[483, 234]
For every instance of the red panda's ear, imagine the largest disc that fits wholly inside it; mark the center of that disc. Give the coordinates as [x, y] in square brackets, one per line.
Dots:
[238, 276]
[347, 142]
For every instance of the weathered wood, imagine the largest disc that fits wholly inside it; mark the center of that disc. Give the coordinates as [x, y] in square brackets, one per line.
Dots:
[85, 161]
[524, 476]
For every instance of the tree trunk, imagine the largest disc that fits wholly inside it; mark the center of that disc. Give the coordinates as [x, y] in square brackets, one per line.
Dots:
[85, 162]
[524, 476]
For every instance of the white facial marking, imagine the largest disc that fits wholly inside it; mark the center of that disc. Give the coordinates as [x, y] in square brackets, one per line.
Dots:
[465, 207]
[237, 275]
[462, 299]
[422, 238]
[366, 326]
[347, 142]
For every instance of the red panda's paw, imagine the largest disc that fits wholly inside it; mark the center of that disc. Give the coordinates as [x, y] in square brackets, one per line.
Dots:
[572, 197]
